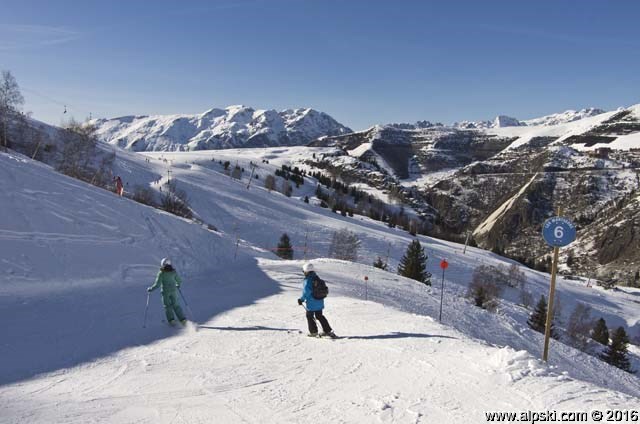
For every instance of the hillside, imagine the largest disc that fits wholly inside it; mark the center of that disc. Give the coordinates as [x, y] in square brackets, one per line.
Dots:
[456, 178]
[86, 261]
[451, 180]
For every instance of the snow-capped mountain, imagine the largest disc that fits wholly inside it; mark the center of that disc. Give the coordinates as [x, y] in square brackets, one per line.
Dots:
[564, 117]
[502, 121]
[234, 126]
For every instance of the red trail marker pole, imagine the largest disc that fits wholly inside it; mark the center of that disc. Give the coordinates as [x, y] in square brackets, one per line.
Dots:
[366, 288]
[444, 265]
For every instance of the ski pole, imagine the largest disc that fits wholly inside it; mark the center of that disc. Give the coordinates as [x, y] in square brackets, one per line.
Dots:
[186, 304]
[144, 324]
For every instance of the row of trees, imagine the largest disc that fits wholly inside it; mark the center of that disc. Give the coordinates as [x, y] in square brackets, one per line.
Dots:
[270, 183]
[486, 287]
[345, 245]
[293, 174]
[335, 194]
[581, 329]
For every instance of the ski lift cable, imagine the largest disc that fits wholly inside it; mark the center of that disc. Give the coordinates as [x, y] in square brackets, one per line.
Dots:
[67, 107]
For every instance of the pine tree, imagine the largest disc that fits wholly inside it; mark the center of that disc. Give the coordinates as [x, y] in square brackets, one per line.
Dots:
[414, 264]
[616, 353]
[538, 319]
[601, 332]
[380, 264]
[285, 251]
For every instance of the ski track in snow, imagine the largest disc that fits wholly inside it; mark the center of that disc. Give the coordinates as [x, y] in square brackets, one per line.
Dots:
[87, 264]
[237, 369]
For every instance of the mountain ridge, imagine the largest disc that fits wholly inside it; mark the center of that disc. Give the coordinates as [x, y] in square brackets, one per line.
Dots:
[231, 127]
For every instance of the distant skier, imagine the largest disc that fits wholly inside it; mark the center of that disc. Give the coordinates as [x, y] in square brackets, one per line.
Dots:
[169, 283]
[315, 304]
[119, 186]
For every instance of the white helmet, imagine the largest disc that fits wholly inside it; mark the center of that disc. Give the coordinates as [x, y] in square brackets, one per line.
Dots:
[308, 267]
[164, 262]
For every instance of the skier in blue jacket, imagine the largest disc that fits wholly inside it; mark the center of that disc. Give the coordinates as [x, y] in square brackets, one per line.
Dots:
[314, 306]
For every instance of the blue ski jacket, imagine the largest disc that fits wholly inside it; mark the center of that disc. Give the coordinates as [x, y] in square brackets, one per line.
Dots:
[313, 304]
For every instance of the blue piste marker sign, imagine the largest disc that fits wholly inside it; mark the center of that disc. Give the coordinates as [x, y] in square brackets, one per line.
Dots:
[558, 231]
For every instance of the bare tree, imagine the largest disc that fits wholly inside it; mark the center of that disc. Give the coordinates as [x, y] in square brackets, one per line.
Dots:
[144, 195]
[236, 173]
[526, 298]
[516, 277]
[286, 188]
[344, 245]
[79, 150]
[579, 326]
[175, 201]
[483, 289]
[558, 309]
[270, 182]
[11, 102]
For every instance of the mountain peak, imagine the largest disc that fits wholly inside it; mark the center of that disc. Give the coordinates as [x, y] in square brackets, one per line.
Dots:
[231, 127]
[564, 117]
[502, 121]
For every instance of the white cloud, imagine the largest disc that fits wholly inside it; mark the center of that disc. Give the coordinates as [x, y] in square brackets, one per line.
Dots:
[14, 37]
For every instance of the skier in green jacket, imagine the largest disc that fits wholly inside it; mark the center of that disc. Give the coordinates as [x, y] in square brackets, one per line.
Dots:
[169, 283]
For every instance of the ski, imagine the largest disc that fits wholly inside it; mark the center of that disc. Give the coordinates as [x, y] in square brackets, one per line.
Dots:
[325, 336]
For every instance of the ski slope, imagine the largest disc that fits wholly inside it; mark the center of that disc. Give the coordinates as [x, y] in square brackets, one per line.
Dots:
[77, 260]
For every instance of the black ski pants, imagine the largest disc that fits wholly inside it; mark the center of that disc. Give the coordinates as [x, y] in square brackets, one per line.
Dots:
[313, 328]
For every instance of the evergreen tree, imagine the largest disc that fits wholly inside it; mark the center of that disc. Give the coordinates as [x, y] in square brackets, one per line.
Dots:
[414, 264]
[285, 251]
[601, 332]
[380, 264]
[538, 319]
[616, 353]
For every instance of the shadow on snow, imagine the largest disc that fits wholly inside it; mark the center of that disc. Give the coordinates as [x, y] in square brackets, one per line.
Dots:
[54, 331]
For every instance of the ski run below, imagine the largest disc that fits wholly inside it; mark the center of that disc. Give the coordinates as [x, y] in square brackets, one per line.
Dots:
[77, 260]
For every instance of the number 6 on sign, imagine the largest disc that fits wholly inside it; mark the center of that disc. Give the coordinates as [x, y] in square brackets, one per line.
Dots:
[558, 232]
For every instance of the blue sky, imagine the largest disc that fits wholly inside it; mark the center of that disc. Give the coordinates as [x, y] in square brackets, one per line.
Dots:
[363, 62]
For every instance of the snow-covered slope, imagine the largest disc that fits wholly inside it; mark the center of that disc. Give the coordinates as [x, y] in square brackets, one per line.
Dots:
[78, 258]
[235, 126]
